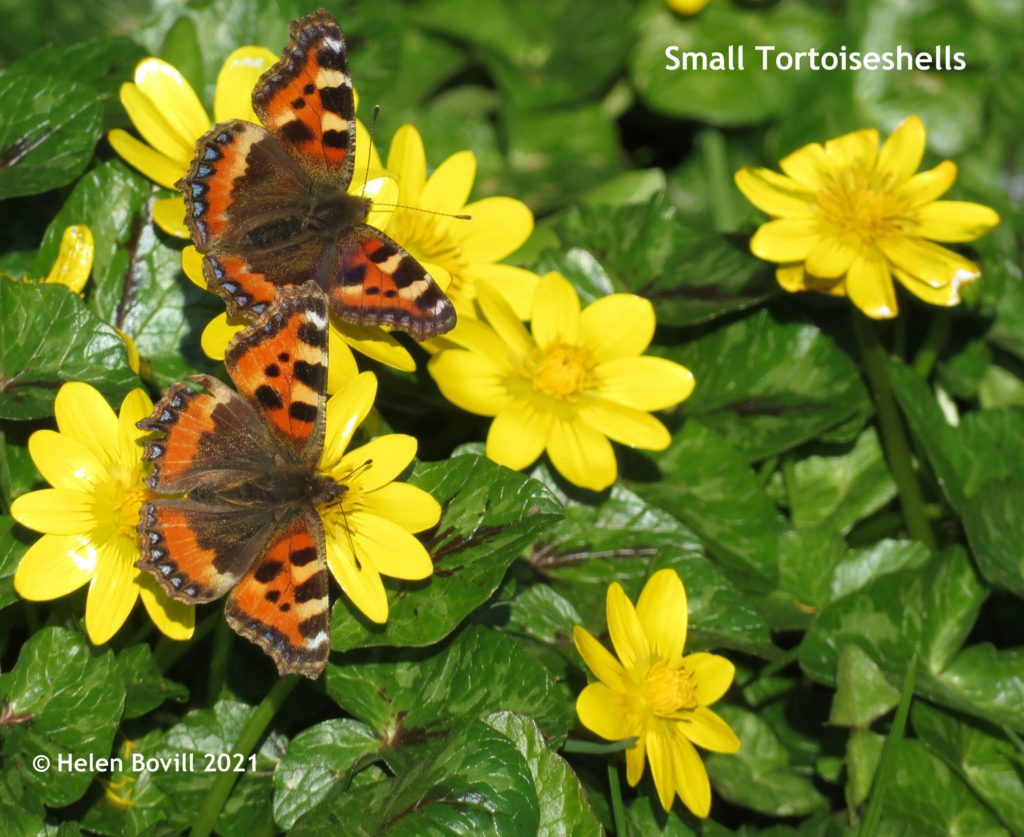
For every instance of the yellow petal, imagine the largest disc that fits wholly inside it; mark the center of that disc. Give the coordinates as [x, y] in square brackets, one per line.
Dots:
[712, 675]
[901, 154]
[598, 659]
[341, 364]
[441, 275]
[56, 511]
[192, 264]
[174, 98]
[662, 612]
[235, 81]
[625, 630]
[706, 729]
[448, 188]
[151, 122]
[946, 296]
[791, 277]
[410, 507]
[519, 434]
[54, 566]
[691, 777]
[390, 548]
[407, 161]
[497, 228]
[785, 240]
[635, 758]
[383, 192]
[359, 580]
[169, 215]
[687, 7]
[954, 221]
[517, 286]
[582, 455]
[857, 149]
[471, 381]
[775, 194]
[624, 424]
[928, 185]
[346, 410]
[376, 344]
[65, 462]
[556, 312]
[158, 167]
[388, 456]
[479, 337]
[643, 383]
[869, 285]
[218, 334]
[84, 415]
[134, 358]
[806, 166]
[174, 619]
[504, 320]
[604, 712]
[135, 407]
[112, 593]
[367, 165]
[660, 755]
[74, 261]
[832, 255]
[617, 326]
[930, 263]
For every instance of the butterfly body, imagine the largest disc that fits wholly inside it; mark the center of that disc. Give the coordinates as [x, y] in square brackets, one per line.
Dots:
[269, 205]
[236, 487]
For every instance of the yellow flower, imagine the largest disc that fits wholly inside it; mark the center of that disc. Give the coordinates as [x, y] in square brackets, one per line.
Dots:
[369, 527]
[848, 217]
[372, 341]
[686, 7]
[166, 111]
[655, 693]
[570, 385]
[458, 253]
[74, 261]
[89, 517]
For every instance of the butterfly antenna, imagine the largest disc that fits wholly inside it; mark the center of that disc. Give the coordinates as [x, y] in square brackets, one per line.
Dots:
[373, 130]
[421, 209]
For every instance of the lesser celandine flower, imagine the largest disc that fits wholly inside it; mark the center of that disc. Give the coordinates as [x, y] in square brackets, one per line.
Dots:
[656, 694]
[89, 516]
[369, 527]
[372, 341]
[569, 385]
[850, 216]
[458, 253]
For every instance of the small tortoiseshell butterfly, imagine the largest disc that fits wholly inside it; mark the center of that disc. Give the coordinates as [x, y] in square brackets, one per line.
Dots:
[243, 468]
[269, 206]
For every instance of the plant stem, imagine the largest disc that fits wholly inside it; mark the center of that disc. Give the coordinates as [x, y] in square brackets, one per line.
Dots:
[935, 337]
[222, 637]
[894, 437]
[618, 810]
[715, 158]
[248, 738]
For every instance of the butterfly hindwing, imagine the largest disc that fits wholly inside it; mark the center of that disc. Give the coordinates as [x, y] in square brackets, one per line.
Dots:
[376, 282]
[281, 604]
[306, 100]
[279, 365]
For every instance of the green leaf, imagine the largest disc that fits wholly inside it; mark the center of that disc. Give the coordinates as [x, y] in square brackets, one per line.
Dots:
[858, 568]
[983, 759]
[761, 775]
[490, 515]
[12, 548]
[471, 780]
[318, 758]
[690, 275]
[767, 385]
[145, 687]
[863, 752]
[481, 671]
[47, 337]
[62, 700]
[995, 529]
[48, 133]
[542, 613]
[862, 692]
[564, 808]
[102, 63]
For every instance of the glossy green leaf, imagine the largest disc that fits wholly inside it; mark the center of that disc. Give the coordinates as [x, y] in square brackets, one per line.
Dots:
[12, 547]
[862, 691]
[145, 687]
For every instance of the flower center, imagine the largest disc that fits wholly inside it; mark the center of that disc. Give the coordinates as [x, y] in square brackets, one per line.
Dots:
[117, 503]
[668, 690]
[561, 371]
[862, 201]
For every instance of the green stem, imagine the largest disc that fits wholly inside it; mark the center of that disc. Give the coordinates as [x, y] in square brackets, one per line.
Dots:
[618, 809]
[721, 190]
[248, 738]
[222, 638]
[894, 438]
[928, 354]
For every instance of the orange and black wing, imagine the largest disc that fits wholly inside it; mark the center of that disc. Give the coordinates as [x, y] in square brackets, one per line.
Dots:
[306, 100]
[376, 282]
[281, 603]
[279, 365]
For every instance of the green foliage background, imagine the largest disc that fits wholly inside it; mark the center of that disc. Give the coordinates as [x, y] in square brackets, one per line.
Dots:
[774, 502]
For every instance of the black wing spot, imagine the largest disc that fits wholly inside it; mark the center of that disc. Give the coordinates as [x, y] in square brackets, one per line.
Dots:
[268, 398]
[268, 571]
[296, 131]
[301, 411]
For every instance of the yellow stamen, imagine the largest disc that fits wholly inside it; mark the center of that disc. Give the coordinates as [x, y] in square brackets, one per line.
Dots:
[862, 201]
[668, 690]
[561, 371]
